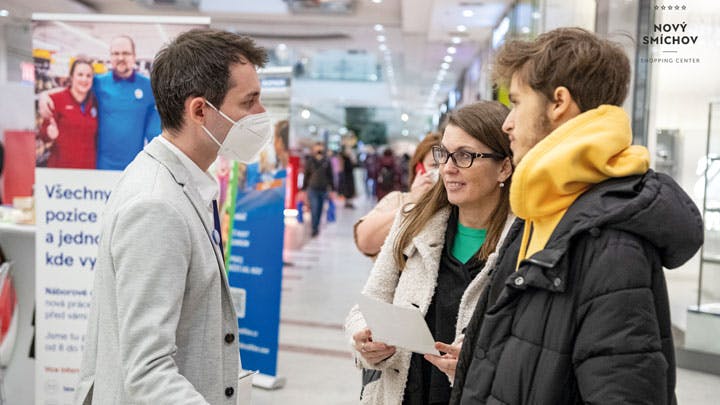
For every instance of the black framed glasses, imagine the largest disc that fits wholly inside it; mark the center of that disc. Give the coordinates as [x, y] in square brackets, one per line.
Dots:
[462, 159]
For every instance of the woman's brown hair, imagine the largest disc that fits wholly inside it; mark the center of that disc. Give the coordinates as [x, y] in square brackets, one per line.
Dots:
[483, 121]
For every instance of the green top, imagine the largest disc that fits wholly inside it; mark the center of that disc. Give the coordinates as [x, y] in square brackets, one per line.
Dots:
[467, 242]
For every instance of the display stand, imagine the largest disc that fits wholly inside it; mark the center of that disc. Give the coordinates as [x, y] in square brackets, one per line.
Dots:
[268, 382]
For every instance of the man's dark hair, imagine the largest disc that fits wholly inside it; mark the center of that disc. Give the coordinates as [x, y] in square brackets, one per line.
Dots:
[197, 64]
[594, 70]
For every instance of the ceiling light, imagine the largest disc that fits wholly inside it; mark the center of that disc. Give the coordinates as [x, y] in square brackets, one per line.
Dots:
[378, 27]
[282, 47]
[404, 117]
[342, 131]
[525, 30]
[312, 129]
[456, 40]
[377, 1]
[305, 114]
[436, 87]
[461, 28]
[382, 47]
[445, 66]
[451, 50]
[381, 38]
[536, 15]
[4, 13]
[448, 58]
[468, 13]
[373, 77]
[405, 132]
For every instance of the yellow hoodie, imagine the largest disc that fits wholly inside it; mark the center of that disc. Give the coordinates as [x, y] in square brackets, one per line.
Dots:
[586, 150]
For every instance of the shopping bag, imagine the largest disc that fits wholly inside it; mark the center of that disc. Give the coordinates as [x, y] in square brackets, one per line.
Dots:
[331, 210]
[300, 207]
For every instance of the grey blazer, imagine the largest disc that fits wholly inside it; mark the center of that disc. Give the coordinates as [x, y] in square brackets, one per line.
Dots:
[162, 327]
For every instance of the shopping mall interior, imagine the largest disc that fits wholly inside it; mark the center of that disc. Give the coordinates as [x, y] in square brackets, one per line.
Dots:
[361, 79]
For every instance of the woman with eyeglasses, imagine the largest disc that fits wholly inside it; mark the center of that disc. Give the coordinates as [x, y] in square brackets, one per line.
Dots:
[437, 258]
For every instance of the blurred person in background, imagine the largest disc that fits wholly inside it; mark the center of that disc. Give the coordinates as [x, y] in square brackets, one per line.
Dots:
[370, 164]
[371, 230]
[387, 174]
[405, 171]
[347, 178]
[437, 257]
[318, 181]
[71, 131]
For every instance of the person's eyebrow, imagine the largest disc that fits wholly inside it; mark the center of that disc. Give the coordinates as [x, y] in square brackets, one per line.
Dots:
[251, 95]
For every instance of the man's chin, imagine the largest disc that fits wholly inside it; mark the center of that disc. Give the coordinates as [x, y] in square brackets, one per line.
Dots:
[517, 156]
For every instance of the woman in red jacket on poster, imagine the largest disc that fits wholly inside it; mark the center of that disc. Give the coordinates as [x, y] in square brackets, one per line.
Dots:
[72, 129]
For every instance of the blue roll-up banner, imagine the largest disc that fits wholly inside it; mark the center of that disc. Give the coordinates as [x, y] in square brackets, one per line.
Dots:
[255, 272]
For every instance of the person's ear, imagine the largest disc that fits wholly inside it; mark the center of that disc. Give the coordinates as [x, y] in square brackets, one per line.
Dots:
[195, 110]
[505, 170]
[562, 107]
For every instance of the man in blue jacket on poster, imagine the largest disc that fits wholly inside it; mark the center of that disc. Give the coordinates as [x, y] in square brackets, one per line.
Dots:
[124, 96]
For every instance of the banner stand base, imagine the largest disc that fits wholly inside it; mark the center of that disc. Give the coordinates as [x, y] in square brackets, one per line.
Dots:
[268, 382]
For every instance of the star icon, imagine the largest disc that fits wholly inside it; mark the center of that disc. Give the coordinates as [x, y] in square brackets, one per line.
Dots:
[657, 7]
[663, 7]
[677, 7]
[683, 7]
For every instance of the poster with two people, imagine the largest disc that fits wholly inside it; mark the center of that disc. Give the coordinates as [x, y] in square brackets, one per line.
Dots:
[95, 112]
[95, 107]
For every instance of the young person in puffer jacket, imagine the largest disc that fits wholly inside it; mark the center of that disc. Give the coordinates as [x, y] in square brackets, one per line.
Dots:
[577, 310]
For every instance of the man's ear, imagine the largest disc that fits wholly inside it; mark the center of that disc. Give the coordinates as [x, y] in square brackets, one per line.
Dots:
[195, 110]
[562, 108]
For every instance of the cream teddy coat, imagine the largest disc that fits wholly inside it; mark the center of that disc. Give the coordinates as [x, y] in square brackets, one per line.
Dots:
[413, 287]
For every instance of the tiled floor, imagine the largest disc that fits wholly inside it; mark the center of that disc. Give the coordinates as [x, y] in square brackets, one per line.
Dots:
[326, 276]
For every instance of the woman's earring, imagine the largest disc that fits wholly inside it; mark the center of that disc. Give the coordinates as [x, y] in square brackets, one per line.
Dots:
[502, 184]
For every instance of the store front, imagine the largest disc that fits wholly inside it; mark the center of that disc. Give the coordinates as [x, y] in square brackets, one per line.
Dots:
[683, 129]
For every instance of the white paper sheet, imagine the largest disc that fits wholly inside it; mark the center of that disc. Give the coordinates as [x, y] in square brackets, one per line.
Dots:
[244, 388]
[397, 326]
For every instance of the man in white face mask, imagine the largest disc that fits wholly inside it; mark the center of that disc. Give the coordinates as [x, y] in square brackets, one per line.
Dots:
[163, 328]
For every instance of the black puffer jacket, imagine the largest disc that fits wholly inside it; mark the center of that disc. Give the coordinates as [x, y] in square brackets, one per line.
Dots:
[587, 319]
